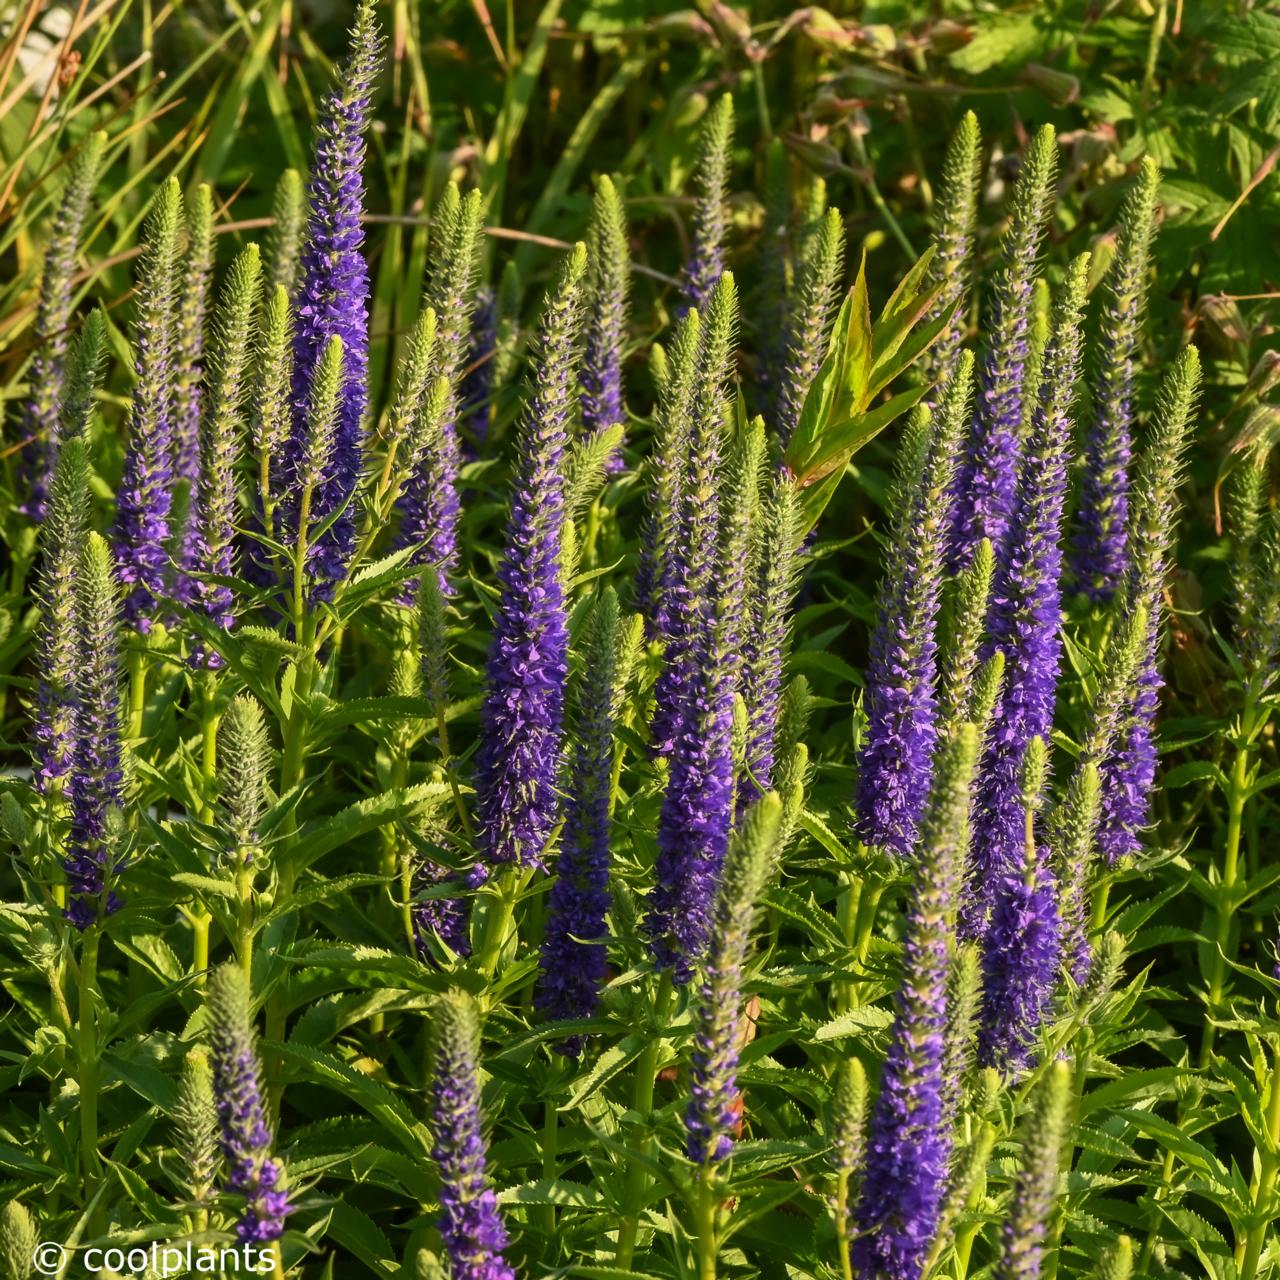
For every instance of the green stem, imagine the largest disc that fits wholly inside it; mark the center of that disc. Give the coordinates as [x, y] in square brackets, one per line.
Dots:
[1101, 900]
[502, 907]
[642, 1105]
[1227, 889]
[842, 1224]
[550, 1152]
[244, 911]
[847, 911]
[869, 181]
[137, 690]
[706, 1226]
[1267, 1176]
[87, 1048]
[201, 918]
[442, 738]
[1149, 1244]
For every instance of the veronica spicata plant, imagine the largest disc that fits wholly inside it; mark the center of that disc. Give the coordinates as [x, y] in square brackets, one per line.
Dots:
[488, 859]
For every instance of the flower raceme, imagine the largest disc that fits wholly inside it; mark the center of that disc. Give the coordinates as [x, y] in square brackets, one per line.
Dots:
[333, 297]
[474, 1236]
[901, 699]
[523, 715]
[908, 1138]
[244, 1124]
[987, 484]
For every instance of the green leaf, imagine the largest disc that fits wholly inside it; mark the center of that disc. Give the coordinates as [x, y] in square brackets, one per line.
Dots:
[1193, 771]
[319, 890]
[1002, 40]
[854, 1022]
[818, 923]
[370, 1095]
[319, 838]
[614, 1059]
[575, 1195]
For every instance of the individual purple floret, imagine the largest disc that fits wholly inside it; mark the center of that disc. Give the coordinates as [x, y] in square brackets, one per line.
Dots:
[334, 295]
[522, 718]
[1025, 613]
[97, 768]
[474, 1237]
[908, 1142]
[144, 497]
[245, 1133]
[986, 486]
[1101, 559]
[896, 758]
[573, 951]
[712, 1111]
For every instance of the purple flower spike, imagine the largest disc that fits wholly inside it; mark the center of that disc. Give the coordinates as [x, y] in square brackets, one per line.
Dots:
[606, 327]
[953, 236]
[908, 1140]
[40, 425]
[706, 257]
[431, 507]
[474, 1237]
[711, 1115]
[1128, 773]
[769, 631]
[334, 294]
[144, 498]
[57, 646]
[897, 752]
[1101, 546]
[1023, 940]
[573, 952]
[97, 769]
[694, 695]
[1026, 1227]
[245, 1133]
[1025, 613]
[214, 515]
[196, 280]
[524, 707]
[443, 918]
[986, 487]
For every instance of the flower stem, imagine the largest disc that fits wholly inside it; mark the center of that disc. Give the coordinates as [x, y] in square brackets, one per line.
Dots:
[705, 1209]
[550, 1152]
[200, 917]
[137, 690]
[642, 1105]
[1268, 1172]
[1227, 889]
[87, 1048]
[842, 1224]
